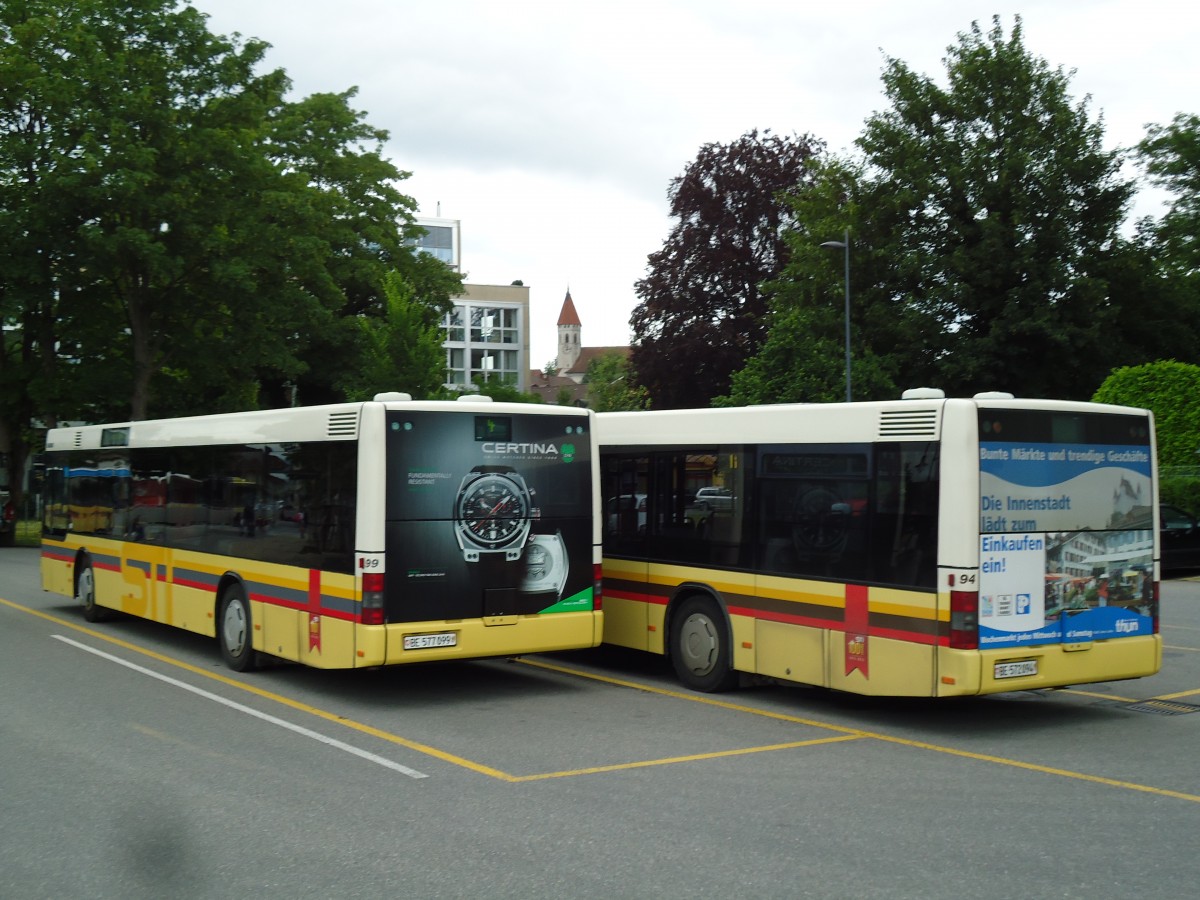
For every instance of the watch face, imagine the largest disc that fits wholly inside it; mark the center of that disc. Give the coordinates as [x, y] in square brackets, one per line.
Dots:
[493, 510]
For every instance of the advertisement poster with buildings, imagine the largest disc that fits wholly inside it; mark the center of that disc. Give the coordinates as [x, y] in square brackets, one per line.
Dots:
[1065, 542]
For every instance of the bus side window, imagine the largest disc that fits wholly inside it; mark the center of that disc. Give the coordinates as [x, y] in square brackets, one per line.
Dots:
[814, 516]
[54, 492]
[625, 502]
[906, 509]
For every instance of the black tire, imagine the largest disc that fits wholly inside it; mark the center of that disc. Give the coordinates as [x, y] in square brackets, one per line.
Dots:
[235, 630]
[700, 649]
[85, 592]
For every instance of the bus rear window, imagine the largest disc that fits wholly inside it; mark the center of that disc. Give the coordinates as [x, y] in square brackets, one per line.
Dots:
[1056, 427]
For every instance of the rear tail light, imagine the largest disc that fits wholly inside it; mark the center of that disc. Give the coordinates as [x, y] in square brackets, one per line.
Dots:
[964, 620]
[1154, 608]
[372, 599]
[597, 584]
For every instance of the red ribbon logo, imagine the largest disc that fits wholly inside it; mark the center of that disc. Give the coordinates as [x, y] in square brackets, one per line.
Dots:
[857, 626]
[314, 610]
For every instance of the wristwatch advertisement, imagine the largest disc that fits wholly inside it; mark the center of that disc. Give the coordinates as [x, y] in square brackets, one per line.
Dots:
[546, 566]
[488, 515]
[493, 513]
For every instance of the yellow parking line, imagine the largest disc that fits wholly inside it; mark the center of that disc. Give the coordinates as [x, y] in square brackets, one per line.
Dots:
[1082, 693]
[1176, 696]
[692, 698]
[617, 767]
[1046, 770]
[845, 732]
[890, 739]
[277, 698]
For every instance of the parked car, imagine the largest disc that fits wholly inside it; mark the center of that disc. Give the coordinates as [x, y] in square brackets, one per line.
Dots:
[715, 497]
[1179, 538]
[626, 515]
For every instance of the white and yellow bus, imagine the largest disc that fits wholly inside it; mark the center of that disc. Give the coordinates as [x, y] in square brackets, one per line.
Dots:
[352, 535]
[923, 547]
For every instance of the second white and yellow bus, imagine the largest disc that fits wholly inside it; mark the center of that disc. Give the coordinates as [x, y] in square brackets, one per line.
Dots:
[924, 547]
[354, 535]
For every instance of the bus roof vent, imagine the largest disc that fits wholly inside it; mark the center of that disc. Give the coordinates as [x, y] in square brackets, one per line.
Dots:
[995, 395]
[393, 397]
[78, 439]
[894, 423]
[343, 424]
[923, 394]
[474, 398]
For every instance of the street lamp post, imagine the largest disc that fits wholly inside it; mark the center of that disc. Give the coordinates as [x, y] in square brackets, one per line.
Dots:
[845, 245]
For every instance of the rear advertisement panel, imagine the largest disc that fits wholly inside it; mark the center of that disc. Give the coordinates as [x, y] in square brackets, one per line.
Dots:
[1066, 540]
[487, 515]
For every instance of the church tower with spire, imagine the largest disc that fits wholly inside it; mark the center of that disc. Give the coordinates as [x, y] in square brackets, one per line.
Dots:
[569, 335]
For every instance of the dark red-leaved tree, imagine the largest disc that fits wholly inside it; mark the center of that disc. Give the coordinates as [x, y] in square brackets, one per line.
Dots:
[701, 309]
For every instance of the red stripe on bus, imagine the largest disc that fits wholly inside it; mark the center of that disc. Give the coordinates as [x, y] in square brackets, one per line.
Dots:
[197, 585]
[301, 607]
[634, 595]
[913, 637]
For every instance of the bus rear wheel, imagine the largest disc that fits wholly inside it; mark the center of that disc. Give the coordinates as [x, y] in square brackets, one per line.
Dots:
[85, 593]
[700, 646]
[234, 629]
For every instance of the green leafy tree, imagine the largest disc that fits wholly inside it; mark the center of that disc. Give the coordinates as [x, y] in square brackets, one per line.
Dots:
[399, 351]
[1171, 156]
[999, 210]
[803, 357]
[610, 385]
[178, 237]
[356, 227]
[127, 134]
[1170, 390]
[1168, 251]
[701, 299]
[1154, 304]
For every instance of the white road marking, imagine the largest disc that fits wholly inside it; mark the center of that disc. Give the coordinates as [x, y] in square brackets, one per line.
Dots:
[274, 720]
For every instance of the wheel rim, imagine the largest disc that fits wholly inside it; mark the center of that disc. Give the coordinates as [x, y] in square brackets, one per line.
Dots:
[86, 591]
[233, 625]
[699, 644]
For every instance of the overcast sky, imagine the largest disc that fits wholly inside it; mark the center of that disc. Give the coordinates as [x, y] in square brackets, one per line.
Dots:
[552, 129]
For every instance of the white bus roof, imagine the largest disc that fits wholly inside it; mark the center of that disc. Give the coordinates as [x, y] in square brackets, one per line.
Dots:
[335, 422]
[888, 420]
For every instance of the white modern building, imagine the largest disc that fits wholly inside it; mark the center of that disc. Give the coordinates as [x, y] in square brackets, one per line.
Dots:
[486, 334]
[442, 240]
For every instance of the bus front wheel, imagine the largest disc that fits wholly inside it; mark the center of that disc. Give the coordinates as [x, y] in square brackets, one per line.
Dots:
[234, 630]
[700, 646]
